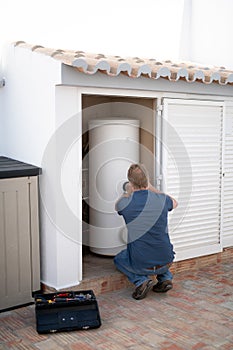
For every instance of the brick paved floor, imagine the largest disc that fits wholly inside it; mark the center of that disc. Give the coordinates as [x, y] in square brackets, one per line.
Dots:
[196, 314]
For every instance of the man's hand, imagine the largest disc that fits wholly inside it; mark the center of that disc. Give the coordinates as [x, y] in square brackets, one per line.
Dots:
[128, 188]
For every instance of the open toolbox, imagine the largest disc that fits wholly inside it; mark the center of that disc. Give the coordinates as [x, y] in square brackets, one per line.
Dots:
[66, 311]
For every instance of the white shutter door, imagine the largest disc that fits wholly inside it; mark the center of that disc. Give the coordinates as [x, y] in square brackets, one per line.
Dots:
[227, 223]
[192, 167]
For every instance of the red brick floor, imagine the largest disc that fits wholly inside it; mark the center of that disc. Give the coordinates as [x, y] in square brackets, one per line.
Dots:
[196, 314]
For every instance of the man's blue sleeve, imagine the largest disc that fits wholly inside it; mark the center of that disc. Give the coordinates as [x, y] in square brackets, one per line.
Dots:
[169, 203]
[121, 204]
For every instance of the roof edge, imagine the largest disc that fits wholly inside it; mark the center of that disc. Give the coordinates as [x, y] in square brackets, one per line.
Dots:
[135, 67]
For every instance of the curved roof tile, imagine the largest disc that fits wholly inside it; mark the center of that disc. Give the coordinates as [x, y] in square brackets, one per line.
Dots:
[135, 67]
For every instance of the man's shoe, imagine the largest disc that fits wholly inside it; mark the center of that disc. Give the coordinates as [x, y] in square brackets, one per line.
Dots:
[142, 290]
[162, 287]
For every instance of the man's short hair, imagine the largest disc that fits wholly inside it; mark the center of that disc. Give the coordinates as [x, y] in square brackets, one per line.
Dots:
[138, 176]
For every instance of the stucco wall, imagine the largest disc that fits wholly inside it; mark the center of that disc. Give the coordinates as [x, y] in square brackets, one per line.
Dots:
[33, 111]
[1, 107]
[206, 32]
[60, 187]
[1, 121]
[29, 103]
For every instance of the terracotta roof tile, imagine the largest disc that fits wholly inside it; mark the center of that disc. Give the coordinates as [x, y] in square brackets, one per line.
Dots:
[135, 67]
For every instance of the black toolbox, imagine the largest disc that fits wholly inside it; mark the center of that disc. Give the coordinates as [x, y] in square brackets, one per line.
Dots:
[66, 311]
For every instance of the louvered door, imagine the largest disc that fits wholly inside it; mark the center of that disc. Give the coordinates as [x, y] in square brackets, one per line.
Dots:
[227, 224]
[192, 171]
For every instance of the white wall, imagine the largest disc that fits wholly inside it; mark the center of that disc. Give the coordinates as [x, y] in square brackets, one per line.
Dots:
[61, 194]
[1, 121]
[1, 108]
[131, 28]
[207, 32]
[29, 103]
[32, 117]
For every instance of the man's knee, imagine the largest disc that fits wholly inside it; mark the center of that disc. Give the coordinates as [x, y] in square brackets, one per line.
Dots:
[120, 257]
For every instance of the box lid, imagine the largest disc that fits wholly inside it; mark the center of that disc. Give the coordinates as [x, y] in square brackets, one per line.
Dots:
[13, 168]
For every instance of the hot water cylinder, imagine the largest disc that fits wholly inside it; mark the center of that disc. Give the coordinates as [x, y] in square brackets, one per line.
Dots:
[113, 147]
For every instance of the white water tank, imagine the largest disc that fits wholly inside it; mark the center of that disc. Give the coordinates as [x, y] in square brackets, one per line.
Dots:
[113, 147]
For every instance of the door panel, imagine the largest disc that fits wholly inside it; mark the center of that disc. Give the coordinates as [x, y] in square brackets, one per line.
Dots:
[192, 166]
[227, 223]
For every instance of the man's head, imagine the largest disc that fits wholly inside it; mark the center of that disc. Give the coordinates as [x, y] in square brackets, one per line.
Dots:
[138, 176]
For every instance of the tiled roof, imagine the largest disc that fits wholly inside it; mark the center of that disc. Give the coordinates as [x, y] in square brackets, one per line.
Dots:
[135, 67]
